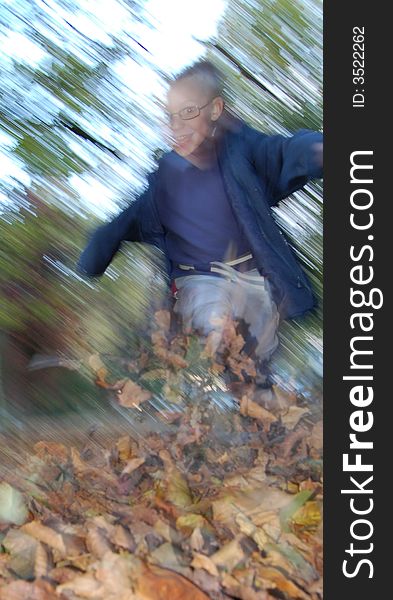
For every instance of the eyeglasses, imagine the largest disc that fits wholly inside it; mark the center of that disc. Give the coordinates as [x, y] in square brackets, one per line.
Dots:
[189, 112]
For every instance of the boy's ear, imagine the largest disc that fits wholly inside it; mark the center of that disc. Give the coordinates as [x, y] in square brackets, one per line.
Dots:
[217, 108]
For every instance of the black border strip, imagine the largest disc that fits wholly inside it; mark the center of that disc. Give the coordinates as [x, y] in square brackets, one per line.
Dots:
[357, 119]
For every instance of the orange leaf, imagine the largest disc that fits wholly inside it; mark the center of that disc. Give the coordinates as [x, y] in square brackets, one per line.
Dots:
[157, 583]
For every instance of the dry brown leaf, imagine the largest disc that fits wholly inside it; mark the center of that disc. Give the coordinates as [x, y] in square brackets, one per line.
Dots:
[229, 555]
[238, 590]
[167, 532]
[53, 450]
[62, 574]
[169, 557]
[22, 548]
[41, 562]
[23, 590]
[80, 562]
[284, 398]
[44, 534]
[209, 584]
[196, 540]
[176, 360]
[132, 464]
[124, 447]
[157, 583]
[132, 394]
[292, 416]
[268, 578]
[101, 475]
[257, 504]
[96, 541]
[249, 408]
[177, 491]
[84, 586]
[201, 561]
[122, 538]
[247, 527]
[249, 479]
[109, 579]
[291, 440]
[316, 438]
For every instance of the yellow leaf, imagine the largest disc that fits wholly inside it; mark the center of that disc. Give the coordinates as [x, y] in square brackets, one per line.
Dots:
[123, 446]
[308, 515]
[189, 522]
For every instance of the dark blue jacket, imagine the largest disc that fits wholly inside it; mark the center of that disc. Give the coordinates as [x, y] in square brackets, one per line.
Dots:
[258, 170]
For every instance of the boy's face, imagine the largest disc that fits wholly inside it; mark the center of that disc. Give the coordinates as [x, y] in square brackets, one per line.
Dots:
[188, 135]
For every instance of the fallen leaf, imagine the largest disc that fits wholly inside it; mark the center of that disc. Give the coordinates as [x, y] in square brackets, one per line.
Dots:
[44, 534]
[189, 522]
[196, 540]
[161, 584]
[22, 590]
[53, 450]
[201, 561]
[124, 447]
[293, 415]
[132, 464]
[41, 562]
[132, 394]
[308, 516]
[168, 556]
[270, 578]
[122, 538]
[96, 541]
[249, 408]
[229, 555]
[316, 437]
[247, 527]
[287, 512]
[283, 398]
[22, 548]
[12, 505]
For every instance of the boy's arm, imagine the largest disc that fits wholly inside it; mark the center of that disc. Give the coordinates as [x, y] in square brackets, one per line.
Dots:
[106, 240]
[286, 163]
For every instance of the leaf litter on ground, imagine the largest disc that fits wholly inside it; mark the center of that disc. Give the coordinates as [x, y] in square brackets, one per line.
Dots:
[225, 502]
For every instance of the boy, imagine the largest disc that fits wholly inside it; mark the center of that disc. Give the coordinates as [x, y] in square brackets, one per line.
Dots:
[207, 207]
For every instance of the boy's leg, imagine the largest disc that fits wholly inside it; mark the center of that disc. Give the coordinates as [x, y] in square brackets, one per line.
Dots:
[203, 300]
[258, 310]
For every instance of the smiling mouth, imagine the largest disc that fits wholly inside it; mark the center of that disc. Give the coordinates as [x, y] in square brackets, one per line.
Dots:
[182, 138]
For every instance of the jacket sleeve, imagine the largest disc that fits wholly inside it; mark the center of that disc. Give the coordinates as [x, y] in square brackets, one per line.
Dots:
[286, 164]
[106, 240]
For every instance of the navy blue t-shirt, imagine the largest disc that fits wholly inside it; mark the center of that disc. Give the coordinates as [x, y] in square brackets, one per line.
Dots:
[194, 209]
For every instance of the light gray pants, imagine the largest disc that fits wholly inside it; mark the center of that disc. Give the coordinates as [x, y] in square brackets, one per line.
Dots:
[203, 298]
